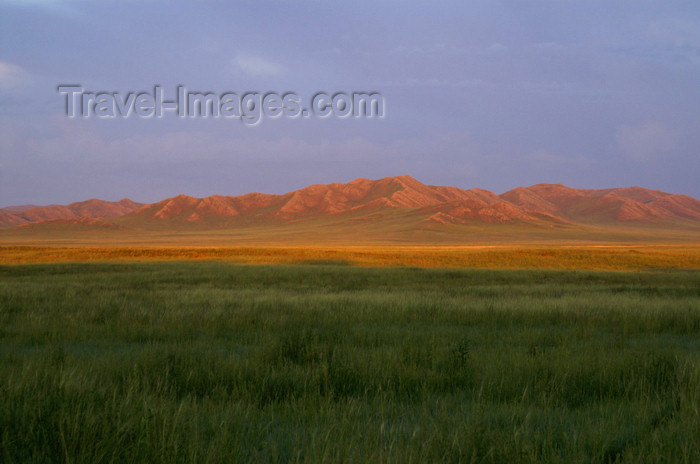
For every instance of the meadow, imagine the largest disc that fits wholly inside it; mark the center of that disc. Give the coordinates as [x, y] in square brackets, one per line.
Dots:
[608, 257]
[193, 361]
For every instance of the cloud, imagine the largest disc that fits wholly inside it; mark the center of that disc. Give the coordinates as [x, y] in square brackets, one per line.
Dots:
[69, 141]
[435, 82]
[549, 47]
[427, 49]
[549, 159]
[646, 141]
[44, 3]
[255, 66]
[53, 6]
[65, 8]
[11, 75]
[670, 40]
[495, 48]
[678, 33]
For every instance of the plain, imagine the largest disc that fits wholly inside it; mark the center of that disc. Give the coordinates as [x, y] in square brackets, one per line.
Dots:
[218, 362]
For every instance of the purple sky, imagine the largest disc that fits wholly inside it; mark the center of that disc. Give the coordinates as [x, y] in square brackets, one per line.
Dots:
[491, 94]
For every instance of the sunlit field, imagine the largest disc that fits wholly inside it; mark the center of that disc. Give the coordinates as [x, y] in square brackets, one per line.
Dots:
[601, 257]
[221, 362]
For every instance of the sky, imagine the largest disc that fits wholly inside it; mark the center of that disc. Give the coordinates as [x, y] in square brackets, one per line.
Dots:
[489, 94]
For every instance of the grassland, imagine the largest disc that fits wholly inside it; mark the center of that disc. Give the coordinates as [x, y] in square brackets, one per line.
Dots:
[606, 257]
[220, 362]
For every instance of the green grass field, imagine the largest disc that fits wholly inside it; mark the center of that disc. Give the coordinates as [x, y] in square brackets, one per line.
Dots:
[217, 362]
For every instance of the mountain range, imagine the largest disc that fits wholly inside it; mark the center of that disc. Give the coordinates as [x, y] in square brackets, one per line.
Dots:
[93, 208]
[394, 204]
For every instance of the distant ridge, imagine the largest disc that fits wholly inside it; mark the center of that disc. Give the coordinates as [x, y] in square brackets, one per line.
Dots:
[400, 203]
[93, 208]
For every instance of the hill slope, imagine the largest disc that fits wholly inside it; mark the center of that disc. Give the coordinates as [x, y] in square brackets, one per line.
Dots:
[633, 204]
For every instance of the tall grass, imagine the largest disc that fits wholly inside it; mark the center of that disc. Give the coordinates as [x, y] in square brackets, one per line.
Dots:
[212, 362]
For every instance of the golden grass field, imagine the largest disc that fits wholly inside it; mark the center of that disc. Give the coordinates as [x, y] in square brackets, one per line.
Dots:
[576, 257]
